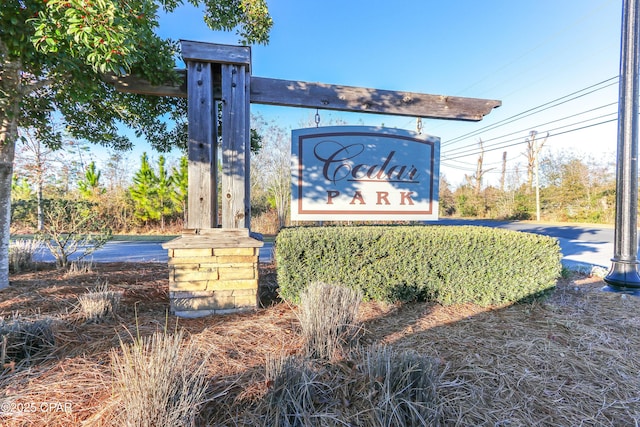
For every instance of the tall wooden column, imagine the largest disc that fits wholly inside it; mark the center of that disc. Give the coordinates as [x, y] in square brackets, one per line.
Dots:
[235, 145]
[215, 270]
[210, 67]
[202, 209]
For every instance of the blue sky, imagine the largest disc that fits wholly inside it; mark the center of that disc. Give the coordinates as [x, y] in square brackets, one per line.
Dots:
[526, 53]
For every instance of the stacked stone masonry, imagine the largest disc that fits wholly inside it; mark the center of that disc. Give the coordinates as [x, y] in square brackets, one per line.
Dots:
[213, 280]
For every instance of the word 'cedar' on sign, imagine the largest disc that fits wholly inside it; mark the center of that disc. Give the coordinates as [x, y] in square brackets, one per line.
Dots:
[364, 173]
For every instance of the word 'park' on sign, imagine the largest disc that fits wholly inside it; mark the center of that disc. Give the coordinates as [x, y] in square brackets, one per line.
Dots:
[363, 173]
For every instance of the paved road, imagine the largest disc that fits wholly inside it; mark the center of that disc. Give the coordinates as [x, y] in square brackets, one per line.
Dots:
[582, 246]
[118, 251]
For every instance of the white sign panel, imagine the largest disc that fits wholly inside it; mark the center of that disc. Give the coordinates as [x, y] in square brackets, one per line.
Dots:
[363, 173]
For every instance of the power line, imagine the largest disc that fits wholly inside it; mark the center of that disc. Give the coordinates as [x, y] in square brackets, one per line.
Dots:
[556, 102]
[473, 151]
[525, 53]
[467, 148]
[541, 124]
[461, 155]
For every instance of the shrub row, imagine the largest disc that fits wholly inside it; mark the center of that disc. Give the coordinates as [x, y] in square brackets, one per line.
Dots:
[445, 264]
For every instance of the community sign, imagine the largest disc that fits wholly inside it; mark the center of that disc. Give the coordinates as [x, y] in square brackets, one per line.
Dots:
[363, 173]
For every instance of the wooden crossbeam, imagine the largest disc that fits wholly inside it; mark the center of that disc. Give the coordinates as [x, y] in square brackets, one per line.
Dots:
[290, 93]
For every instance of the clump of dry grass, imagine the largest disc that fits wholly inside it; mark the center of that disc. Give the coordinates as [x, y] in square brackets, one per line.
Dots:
[98, 304]
[80, 266]
[376, 386]
[159, 381]
[24, 340]
[298, 396]
[566, 360]
[400, 387]
[21, 254]
[327, 318]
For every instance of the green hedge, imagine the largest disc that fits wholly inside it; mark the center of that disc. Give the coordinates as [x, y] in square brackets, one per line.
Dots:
[446, 264]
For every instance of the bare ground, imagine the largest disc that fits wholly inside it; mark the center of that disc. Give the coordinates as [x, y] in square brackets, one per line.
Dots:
[569, 359]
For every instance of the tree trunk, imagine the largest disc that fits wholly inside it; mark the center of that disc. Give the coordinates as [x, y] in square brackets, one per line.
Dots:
[9, 113]
[8, 135]
[40, 211]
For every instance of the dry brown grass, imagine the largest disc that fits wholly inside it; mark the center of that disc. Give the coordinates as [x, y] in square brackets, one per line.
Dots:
[328, 318]
[21, 254]
[99, 303]
[568, 360]
[159, 381]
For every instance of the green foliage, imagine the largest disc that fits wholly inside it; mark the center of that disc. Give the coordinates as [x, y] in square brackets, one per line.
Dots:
[110, 36]
[62, 48]
[164, 189]
[20, 189]
[524, 207]
[180, 178]
[251, 17]
[143, 191]
[450, 265]
[153, 192]
[90, 186]
[54, 55]
[23, 203]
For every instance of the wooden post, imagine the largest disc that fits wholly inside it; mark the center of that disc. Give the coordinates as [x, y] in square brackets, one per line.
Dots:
[202, 154]
[235, 144]
[233, 75]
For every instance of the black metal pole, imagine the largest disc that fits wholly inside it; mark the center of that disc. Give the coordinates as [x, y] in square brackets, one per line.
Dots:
[624, 270]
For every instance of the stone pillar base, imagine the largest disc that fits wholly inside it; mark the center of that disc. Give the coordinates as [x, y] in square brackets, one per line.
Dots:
[213, 271]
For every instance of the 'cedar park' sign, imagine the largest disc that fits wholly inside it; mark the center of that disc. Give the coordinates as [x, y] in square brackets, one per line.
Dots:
[363, 173]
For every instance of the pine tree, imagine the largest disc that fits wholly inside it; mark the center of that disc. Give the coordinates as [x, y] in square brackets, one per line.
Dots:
[164, 190]
[143, 191]
[180, 192]
[20, 189]
[53, 58]
[89, 186]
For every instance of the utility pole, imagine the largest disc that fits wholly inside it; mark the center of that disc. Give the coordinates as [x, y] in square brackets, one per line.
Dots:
[537, 186]
[504, 171]
[477, 177]
[624, 270]
[533, 165]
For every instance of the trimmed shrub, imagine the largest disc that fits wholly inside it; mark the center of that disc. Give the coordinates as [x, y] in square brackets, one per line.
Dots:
[445, 264]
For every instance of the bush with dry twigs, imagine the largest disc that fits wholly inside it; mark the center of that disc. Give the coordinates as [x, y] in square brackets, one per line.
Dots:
[79, 267]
